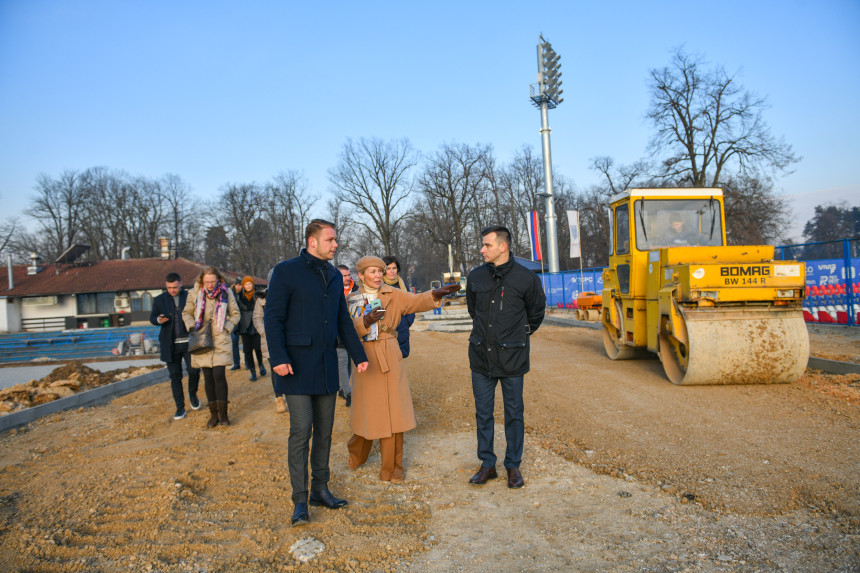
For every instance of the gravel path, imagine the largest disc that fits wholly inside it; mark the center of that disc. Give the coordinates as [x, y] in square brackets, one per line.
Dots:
[624, 472]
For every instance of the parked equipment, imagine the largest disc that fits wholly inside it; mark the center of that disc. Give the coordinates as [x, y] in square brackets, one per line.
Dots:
[714, 314]
[588, 306]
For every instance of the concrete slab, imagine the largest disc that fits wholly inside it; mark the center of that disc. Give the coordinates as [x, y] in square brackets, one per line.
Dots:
[450, 327]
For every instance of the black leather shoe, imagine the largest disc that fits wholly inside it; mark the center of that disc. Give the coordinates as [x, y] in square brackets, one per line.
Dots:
[300, 515]
[483, 475]
[235, 367]
[515, 478]
[325, 498]
[263, 370]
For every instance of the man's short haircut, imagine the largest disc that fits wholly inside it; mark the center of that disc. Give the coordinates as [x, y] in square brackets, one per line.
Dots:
[315, 226]
[388, 259]
[343, 268]
[675, 217]
[502, 233]
[172, 278]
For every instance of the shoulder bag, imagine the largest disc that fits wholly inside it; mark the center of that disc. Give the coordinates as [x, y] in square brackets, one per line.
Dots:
[201, 340]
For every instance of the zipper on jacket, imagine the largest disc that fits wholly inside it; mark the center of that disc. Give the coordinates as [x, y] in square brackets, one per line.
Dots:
[502, 299]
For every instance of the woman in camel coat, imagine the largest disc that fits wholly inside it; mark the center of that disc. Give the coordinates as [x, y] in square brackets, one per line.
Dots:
[381, 401]
[211, 300]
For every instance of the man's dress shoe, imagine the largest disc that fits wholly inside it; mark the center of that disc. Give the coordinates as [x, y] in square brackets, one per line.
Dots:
[483, 475]
[300, 514]
[325, 498]
[515, 478]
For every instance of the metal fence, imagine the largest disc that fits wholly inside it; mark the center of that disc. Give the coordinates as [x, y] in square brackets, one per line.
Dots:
[832, 281]
[832, 287]
[562, 288]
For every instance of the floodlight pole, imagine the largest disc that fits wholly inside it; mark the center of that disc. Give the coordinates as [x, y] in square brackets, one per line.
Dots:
[546, 94]
[551, 233]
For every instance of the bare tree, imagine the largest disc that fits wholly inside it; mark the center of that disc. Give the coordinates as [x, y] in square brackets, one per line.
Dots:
[593, 205]
[178, 214]
[755, 213]
[515, 189]
[56, 207]
[708, 124]
[237, 209]
[453, 184]
[341, 216]
[373, 177]
[285, 204]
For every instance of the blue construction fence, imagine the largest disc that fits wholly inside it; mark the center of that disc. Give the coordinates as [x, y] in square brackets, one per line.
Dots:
[832, 286]
[561, 289]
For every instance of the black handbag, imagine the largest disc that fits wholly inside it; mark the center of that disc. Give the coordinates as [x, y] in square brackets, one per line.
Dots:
[201, 340]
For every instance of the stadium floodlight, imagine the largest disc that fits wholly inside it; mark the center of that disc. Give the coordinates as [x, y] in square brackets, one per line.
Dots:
[549, 70]
[545, 95]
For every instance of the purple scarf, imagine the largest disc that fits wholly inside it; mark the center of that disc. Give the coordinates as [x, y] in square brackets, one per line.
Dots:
[219, 315]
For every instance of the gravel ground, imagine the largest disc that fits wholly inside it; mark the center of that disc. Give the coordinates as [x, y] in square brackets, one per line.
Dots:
[624, 472]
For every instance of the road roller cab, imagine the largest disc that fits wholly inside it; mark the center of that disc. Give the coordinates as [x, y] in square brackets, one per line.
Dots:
[714, 314]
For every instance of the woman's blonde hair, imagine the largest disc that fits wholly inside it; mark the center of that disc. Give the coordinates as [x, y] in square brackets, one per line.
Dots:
[209, 271]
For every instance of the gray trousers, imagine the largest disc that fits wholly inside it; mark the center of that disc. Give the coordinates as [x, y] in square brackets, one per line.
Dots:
[309, 416]
[343, 370]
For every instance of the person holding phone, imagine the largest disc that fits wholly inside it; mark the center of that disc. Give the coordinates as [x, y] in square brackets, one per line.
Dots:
[173, 342]
[381, 402]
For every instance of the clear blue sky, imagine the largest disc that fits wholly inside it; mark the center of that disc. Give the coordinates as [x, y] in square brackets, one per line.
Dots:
[219, 92]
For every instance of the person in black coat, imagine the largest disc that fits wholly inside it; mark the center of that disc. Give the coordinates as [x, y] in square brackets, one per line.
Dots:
[305, 315]
[392, 278]
[507, 304]
[246, 300]
[173, 341]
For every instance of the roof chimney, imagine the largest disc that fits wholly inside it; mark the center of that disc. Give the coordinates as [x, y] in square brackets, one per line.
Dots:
[165, 247]
[35, 264]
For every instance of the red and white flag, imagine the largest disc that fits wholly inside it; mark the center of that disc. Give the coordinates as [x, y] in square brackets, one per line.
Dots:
[534, 235]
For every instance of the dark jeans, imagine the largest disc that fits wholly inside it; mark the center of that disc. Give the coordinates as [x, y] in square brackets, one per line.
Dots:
[484, 390]
[234, 337]
[174, 368]
[215, 382]
[250, 346]
[309, 415]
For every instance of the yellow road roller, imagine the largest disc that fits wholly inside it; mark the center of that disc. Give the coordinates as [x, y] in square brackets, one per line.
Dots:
[714, 314]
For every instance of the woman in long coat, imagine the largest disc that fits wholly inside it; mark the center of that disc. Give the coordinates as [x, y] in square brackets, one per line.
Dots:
[211, 300]
[381, 401]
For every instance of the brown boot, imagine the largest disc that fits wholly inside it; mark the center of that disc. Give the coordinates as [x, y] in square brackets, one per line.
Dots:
[213, 415]
[222, 413]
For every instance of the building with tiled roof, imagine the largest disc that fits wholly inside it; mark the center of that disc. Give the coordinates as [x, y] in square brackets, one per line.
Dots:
[74, 294]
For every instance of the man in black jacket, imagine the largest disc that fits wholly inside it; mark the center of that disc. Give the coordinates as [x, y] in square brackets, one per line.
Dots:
[507, 304]
[173, 340]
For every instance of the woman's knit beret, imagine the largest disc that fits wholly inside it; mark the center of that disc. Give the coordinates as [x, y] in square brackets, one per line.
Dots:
[369, 261]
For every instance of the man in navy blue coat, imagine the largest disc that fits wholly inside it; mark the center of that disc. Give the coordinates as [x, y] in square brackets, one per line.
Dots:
[305, 315]
[173, 341]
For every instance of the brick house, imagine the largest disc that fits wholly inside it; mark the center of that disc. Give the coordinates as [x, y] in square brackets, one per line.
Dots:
[70, 294]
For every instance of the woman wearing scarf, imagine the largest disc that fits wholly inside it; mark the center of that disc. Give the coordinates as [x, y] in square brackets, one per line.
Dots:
[247, 329]
[211, 300]
[381, 402]
[392, 278]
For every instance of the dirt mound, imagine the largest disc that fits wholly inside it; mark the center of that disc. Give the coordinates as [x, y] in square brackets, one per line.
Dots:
[63, 381]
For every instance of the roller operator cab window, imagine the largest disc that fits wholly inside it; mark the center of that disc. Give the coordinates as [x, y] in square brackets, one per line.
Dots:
[677, 223]
[622, 229]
